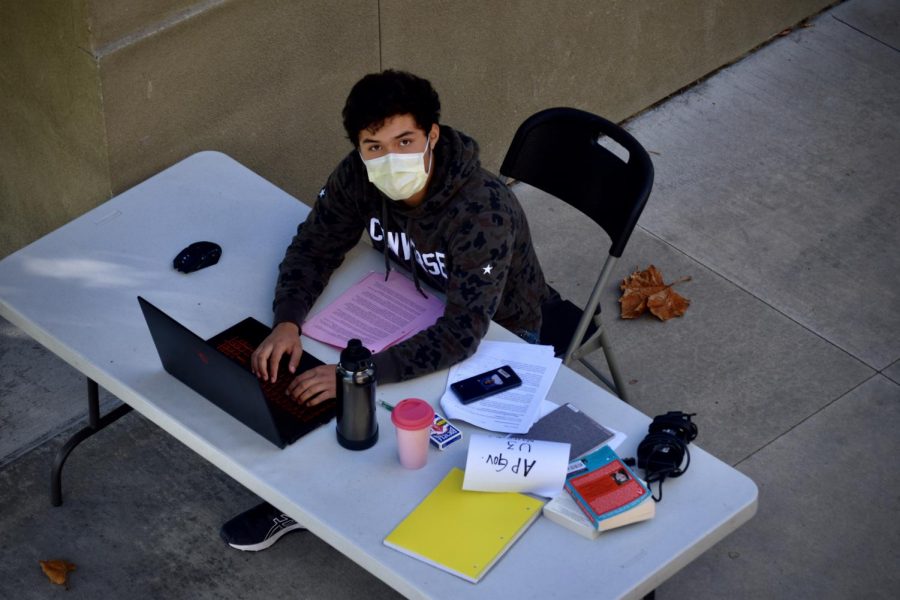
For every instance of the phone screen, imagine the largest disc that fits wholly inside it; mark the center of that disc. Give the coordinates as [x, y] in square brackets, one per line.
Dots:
[486, 384]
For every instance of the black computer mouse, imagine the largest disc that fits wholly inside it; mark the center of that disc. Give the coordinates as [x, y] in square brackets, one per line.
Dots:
[198, 255]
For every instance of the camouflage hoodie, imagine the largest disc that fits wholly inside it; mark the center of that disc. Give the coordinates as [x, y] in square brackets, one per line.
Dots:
[469, 239]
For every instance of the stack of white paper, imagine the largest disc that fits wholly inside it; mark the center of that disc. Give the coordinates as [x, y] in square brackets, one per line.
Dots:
[512, 411]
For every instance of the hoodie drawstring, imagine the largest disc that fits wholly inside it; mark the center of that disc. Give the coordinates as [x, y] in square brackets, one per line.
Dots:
[384, 229]
[412, 250]
[412, 266]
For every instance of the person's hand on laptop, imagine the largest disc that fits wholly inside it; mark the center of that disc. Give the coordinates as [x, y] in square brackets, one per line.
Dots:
[284, 339]
[311, 387]
[315, 385]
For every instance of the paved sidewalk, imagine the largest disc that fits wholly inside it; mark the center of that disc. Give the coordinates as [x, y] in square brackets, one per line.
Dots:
[776, 191]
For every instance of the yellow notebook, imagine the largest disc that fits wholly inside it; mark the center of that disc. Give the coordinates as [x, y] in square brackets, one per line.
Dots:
[463, 532]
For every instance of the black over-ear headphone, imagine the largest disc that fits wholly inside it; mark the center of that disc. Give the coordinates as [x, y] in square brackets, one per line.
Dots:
[665, 448]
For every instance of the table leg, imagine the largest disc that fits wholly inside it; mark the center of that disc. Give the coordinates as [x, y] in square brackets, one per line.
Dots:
[95, 424]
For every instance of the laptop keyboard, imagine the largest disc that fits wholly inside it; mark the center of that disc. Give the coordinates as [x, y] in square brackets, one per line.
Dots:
[239, 350]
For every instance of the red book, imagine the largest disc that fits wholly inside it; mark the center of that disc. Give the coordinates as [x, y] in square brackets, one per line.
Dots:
[606, 486]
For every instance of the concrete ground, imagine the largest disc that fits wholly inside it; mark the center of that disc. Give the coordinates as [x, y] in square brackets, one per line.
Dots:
[776, 190]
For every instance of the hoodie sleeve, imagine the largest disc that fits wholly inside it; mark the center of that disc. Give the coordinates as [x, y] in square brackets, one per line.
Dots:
[480, 256]
[331, 229]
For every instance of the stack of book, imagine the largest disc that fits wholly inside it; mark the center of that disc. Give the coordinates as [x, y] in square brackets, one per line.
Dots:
[602, 493]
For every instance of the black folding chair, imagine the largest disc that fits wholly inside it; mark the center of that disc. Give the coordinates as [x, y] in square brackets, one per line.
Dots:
[562, 151]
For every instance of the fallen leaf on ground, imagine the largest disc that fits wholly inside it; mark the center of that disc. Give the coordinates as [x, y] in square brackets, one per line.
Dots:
[637, 288]
[57, 570]
[667, 304]
[645, 290]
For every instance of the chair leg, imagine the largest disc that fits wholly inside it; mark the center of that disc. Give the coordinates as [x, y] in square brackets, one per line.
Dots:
[614, 368]
[599, 375]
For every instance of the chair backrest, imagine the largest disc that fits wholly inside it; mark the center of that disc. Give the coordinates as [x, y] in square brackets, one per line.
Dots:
[560, 151]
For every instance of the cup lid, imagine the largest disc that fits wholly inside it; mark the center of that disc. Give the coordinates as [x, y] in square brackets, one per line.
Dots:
[412, 413]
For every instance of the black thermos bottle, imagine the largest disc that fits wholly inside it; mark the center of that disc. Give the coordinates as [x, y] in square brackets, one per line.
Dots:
[357, 427]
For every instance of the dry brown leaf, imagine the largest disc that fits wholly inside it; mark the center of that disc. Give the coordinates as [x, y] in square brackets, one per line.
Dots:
[646, 290]
[667, 303]
[637, 287]
[57, 570]
[634, 303]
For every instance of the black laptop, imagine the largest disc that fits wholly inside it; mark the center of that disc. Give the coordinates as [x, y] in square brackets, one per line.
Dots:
[219, 370]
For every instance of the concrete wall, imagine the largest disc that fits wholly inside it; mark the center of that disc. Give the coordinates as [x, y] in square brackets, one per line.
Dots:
[53, 161]
[497, 62]
[262, 80]
[96, 96]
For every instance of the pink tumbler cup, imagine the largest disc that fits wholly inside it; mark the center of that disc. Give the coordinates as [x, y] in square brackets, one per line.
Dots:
[413, 419]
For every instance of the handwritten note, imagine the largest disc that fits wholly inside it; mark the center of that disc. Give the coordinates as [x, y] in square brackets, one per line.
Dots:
[496, 464]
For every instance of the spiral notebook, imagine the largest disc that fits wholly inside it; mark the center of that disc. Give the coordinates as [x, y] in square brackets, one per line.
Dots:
[476, 528]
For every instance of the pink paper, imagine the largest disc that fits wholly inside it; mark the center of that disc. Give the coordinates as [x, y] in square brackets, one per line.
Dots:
[378, 312]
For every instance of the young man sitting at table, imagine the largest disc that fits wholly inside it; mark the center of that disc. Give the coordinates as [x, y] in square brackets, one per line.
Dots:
[417, 188]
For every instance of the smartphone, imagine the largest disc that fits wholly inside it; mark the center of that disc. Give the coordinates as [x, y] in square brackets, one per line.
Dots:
[486, 384]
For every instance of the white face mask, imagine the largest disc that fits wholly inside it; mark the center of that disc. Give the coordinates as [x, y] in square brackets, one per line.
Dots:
[399, 176]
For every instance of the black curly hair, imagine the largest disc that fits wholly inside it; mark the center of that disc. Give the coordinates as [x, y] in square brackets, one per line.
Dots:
[379, 96]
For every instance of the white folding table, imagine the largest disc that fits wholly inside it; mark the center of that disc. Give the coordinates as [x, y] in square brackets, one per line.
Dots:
[75, 290]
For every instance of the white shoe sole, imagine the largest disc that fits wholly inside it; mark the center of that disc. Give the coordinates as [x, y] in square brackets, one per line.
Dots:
[269, 541]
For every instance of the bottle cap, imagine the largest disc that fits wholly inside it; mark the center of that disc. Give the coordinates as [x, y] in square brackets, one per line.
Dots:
[412, 413]
[354, 354]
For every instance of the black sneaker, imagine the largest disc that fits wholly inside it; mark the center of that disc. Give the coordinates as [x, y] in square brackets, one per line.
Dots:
[258, 528]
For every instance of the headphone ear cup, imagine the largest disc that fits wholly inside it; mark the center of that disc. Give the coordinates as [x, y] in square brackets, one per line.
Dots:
[662, 451]
[676, 422]
[657, 426]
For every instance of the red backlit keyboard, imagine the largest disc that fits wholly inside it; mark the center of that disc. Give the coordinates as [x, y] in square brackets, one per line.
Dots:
[239, 350]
